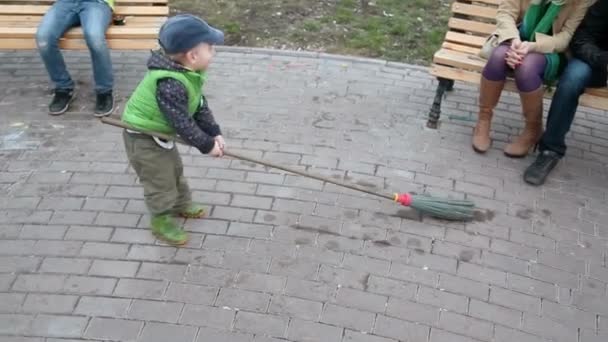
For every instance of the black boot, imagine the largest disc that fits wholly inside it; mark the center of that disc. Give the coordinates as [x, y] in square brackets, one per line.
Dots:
[104, 105]
[537, 173]
[61, 101]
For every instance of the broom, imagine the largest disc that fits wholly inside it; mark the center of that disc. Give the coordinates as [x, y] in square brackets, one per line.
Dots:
[447, 209]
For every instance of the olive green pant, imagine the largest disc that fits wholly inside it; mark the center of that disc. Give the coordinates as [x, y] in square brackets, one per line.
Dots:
[160, 172]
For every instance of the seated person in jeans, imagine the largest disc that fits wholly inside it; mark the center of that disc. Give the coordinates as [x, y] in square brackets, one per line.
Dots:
[588, 68]
[94, 16]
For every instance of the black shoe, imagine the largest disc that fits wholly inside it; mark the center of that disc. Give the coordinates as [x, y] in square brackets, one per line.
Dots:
[61, 102]
[537, 173]
[104, 105]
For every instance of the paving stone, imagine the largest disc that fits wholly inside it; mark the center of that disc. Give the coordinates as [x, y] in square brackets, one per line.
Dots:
[353, 336]
[151, 253]
[401, 330]
[149, 289]
[244, 300]
[295, 307]
[58, 304]
[161, 271]
[260, 282]
[466, 326]
[547, 328]
[258, 323]
[138, 236]
[111, 268]
[39, 283]
[89, 285]
[210, 276]
[443, 300]
[348, 318]
[42, 232]
[413, 274]
[14, 324]
[208, 316]
[391, 287]
[438, 335]
[104, 250]
[361, 300]
[306, 331]
[147, 310]
[514, 300]
[102, 307]
[18, 264]
[504, 334]
[58, 326]
[189, 293]
[11, 302]
[82, 233]
[412, 312]
[113, 329]
[306, 289]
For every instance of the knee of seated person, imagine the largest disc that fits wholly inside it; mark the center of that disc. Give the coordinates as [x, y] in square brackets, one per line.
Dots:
[44, 39]
[96, 41]
[576, 75]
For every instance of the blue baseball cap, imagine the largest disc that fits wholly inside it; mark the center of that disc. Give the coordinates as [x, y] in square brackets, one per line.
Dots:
[183, 32]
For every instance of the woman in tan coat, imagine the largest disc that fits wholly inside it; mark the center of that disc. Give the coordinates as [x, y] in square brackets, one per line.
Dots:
[533, 36]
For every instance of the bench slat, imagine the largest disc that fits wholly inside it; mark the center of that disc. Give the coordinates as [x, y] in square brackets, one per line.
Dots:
[461, 48]
[34, 21]
[474, 11]
[471, 26]
[79, 44]
[459, 60]
[121, 2]
[121, 10]
[465, 39]
[121, 32]
[487, 2]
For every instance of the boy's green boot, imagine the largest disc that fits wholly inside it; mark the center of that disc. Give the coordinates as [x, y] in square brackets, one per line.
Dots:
[166, 229]
[193, 211]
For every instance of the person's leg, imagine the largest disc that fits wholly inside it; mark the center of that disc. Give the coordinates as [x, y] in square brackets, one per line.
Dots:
[572, 84]
[95, 18]
[184, 206]
[529, 79]
[491, 86]
[154, 167]
[59, 18]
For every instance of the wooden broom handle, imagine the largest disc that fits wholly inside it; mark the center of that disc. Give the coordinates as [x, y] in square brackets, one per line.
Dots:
[121, 124]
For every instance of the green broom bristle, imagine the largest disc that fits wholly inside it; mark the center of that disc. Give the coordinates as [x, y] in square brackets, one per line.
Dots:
[447, 209]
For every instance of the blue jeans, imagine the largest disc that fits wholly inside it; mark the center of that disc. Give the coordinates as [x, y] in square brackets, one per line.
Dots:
[576, 77]
[94, 16]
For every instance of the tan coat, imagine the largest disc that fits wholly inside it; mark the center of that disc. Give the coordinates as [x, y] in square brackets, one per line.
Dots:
[511, 13]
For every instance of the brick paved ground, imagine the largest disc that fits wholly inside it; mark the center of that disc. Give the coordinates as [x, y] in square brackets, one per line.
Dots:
[283, 258]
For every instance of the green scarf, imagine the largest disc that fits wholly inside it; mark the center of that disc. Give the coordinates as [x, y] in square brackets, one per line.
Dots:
[539, 18]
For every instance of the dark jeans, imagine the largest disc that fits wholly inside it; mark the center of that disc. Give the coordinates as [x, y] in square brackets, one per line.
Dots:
[94, 16]
[576, 77]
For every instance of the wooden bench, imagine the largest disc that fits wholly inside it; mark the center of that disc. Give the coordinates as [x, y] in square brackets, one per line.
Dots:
[19, 21]
[471, 23]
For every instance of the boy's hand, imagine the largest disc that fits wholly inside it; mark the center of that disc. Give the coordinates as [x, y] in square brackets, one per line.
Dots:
[220, 140]
[216, 151]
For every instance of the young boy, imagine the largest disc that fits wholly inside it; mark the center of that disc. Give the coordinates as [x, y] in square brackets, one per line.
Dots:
[169, 100]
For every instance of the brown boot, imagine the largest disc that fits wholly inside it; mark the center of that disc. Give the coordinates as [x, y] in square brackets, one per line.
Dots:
[489, 94]
[532, 107]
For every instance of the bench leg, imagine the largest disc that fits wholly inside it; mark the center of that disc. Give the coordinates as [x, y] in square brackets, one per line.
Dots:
[443, 86]
[450, 85]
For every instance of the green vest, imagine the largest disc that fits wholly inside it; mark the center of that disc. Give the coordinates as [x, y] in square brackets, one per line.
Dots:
[142, 110]
[110, 3]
